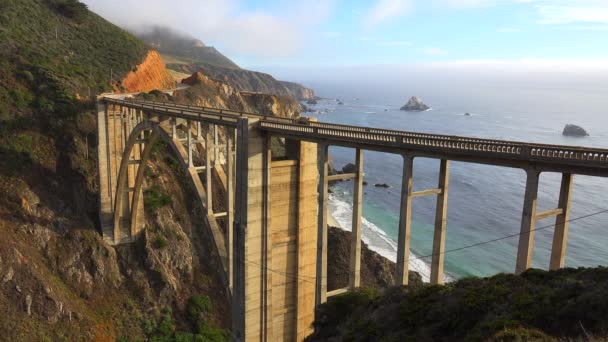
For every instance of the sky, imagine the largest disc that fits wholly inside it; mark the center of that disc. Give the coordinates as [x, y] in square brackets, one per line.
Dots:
[267, 34]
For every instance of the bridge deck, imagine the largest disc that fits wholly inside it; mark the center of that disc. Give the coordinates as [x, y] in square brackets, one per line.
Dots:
[545, 157]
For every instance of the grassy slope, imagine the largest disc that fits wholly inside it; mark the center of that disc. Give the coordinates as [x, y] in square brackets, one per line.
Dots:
[50, 248]
[538, 305]
[42, 49]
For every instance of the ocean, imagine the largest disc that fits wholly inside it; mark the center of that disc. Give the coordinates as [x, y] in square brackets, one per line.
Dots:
[485, 202]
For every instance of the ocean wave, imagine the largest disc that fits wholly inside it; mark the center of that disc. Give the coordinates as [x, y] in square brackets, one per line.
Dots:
[374, 236]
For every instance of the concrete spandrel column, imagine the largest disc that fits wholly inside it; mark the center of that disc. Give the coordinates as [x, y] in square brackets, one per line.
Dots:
[560, 236]
[229, 203]
[405, 220]
[208, 174]
[528, 222]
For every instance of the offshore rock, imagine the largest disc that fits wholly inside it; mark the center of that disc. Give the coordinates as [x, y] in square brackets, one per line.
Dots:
[574, 131]
[415, 105]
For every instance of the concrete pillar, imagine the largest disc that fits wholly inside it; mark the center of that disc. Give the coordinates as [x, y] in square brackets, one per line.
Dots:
[174, 128]
[321, 281]
[308, 212]
[441, 216]
[248, 299]
[208, 174]
[560, 236]
[189, 142]
[528, 222]
[229, 202]
[355, 246]
[104, 171]
[216, 144]
[405, 219]
[267, 245]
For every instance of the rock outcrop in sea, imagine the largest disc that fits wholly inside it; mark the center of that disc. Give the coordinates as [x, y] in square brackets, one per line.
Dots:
[415, 105]
[574, 131]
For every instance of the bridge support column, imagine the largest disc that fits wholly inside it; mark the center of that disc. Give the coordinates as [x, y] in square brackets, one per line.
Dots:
[249, 298]
[105, 171]
[355, 246]
[441, 218]
[308, 177]
[321, 281]
[528, 222]
[208, 173]
[560, 236]
[229, 202]
[405, 220]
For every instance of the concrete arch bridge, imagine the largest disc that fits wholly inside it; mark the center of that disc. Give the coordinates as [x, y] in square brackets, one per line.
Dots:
[271, 233]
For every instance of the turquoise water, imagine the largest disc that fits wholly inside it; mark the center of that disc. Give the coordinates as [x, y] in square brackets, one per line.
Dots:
[485, 202]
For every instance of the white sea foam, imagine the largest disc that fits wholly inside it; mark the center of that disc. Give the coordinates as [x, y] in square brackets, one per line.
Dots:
[374, 236]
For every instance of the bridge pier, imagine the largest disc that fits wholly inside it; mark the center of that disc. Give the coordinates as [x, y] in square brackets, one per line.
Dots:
[560, 236]
[441, 218]
[355, 246]
[405, 222]
[321, 271]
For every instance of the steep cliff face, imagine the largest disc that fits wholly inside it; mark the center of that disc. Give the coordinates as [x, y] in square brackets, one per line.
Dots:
[300, 92]
[247, 80]
[207, 92]
[149, 75]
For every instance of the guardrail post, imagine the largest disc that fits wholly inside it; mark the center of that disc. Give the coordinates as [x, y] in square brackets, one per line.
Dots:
[355, 247]
[560, 236]
[321, 286]
[528, 222]
[441, 216]
[405, 218]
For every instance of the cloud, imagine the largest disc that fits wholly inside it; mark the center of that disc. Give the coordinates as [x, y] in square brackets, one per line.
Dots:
[575, 12]
[226, 24]
[384, 10]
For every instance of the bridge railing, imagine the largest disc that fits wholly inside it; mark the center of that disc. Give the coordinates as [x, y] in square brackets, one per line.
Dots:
[584, 156]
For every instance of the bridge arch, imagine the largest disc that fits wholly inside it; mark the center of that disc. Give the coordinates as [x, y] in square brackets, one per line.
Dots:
[127, 202]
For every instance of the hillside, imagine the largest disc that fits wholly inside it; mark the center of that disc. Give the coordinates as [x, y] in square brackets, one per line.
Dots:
[171, 42]
[58, 279]
[569, 304]
[185, 54]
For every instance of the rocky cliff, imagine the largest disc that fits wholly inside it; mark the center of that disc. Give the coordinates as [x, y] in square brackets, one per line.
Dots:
[207, 92]
[149, 75]
[246, 80]
[376, 271]
[300, 92]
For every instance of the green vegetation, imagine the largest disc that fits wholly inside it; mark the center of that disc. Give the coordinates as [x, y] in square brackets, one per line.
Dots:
[51, 50]
[154, 198]
[565, 304]
[160, 242]
[164, 328]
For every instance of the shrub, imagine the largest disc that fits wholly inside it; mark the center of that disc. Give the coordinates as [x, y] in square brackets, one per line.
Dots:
[72, 9]
[160, 242]
[154, 198]
[198, 305]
